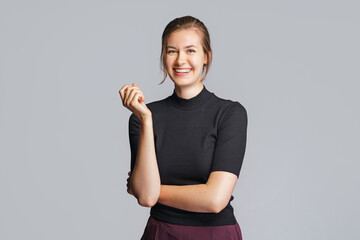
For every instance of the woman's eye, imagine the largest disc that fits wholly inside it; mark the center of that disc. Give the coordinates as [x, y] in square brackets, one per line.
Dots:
[173, 51]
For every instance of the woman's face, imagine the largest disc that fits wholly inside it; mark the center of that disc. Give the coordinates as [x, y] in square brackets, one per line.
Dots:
[185, 57]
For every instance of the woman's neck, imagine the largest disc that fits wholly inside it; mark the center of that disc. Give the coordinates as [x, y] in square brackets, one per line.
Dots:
[188, 91]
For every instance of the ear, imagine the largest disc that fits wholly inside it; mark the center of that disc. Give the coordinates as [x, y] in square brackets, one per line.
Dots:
[206, 58]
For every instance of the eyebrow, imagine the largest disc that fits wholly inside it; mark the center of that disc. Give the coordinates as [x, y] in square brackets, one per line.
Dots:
[185, 47]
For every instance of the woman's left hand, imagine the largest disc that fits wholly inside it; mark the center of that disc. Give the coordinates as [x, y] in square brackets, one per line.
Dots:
[128, 184]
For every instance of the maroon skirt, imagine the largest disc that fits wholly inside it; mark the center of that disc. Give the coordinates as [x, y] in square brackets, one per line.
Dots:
[159, 230]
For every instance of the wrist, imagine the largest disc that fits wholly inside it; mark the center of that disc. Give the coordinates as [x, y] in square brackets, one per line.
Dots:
[146, 119]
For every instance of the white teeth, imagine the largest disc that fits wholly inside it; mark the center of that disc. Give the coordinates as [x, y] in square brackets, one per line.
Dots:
[182, 70]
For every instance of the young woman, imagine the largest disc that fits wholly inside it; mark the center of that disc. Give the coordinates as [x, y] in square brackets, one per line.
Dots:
[187, 149]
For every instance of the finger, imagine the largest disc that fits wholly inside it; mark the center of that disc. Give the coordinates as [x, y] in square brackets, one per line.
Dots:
[142, 98]
[137, 98]
[123, 91]
[133, 95]
[128, 92]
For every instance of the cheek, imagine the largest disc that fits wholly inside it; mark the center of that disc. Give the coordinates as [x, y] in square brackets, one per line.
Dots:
[198, 62]
[168, 62]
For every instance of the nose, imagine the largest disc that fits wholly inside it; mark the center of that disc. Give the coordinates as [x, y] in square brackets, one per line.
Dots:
[181, 59]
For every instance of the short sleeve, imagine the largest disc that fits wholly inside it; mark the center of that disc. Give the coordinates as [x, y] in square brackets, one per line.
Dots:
[231, 140]
[134, 129]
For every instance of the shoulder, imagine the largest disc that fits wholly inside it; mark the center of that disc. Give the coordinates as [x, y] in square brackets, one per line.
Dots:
[229, 107]
[157, 105]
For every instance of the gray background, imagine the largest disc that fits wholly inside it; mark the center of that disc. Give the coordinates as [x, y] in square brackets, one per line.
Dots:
[64, 142]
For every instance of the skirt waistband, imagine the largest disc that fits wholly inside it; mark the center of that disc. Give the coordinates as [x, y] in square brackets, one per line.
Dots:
[159, 230]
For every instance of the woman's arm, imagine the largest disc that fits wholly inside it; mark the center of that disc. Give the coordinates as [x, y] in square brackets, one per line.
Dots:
[211, 197]
[145, 178]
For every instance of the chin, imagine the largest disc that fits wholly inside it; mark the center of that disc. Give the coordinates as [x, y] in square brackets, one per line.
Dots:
[184, 83]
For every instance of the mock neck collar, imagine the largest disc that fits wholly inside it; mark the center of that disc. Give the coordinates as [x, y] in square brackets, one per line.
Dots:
[192, 103]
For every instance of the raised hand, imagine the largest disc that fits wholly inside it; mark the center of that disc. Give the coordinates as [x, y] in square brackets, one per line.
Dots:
[133, 99]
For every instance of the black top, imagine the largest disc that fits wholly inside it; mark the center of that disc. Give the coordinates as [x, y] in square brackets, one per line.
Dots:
[194, 137]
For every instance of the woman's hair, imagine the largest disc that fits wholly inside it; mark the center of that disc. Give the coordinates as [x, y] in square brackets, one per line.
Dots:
[183, 23]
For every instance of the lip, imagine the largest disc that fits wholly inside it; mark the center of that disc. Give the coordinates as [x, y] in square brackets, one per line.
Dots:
[182, 74]
[182, 68]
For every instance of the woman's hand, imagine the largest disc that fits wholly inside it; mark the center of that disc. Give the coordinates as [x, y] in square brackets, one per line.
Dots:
[128, 184]
[133, 99]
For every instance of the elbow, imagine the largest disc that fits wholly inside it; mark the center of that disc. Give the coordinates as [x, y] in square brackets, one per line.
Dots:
[147, 202]
[146, 197]
[217, 205]
[217, 209]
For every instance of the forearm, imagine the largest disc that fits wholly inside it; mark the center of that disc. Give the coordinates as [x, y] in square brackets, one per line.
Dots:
[194, 198]
[145, 178]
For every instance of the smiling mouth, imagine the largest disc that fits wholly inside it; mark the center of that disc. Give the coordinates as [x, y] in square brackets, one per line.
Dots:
[182, 70]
